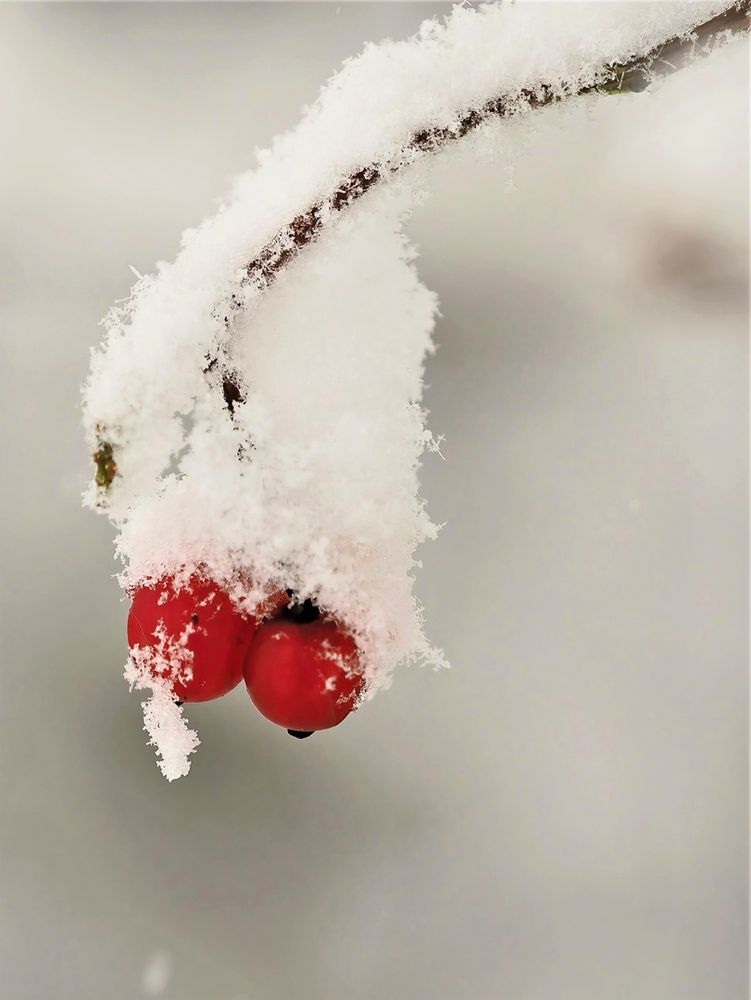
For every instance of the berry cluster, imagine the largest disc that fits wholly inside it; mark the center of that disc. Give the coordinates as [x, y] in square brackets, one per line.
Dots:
[301, 668]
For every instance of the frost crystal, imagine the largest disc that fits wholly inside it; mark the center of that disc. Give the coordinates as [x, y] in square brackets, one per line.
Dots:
[272, 435]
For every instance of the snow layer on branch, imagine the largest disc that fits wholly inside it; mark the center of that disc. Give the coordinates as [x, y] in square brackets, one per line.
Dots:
[150, 366]
[312, 482]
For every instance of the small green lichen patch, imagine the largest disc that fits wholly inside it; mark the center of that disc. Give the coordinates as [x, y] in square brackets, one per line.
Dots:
[106, 466]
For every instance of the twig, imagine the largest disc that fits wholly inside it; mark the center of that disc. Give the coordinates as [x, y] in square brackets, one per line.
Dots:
[631, 77]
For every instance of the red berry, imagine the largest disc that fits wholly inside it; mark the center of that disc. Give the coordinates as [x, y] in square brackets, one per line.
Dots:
[198, 619]
[303, 676]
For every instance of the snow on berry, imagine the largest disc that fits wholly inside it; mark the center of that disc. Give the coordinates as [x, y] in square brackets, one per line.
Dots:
[303, 675]
[192, 635]
[164, 722]
[263, 422]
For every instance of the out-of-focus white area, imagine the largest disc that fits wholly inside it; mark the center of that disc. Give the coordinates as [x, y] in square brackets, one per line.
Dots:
[156, 974]
[562, 815]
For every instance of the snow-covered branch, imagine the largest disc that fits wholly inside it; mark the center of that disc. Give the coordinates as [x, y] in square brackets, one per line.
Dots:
[617, 68]
[313, 333]
[633, 75]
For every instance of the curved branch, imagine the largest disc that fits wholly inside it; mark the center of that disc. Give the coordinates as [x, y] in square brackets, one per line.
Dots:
[259, 273]
[631, 77]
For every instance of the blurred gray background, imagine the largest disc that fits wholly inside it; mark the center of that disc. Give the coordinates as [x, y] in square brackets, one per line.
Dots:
[564, 813]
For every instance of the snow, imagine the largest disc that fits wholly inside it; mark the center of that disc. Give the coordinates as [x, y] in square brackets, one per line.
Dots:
[163, 718]
[312, 481]
[156, 974]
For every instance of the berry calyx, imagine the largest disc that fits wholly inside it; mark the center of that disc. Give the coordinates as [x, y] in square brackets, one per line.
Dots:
[192, 636]
[303, 674]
